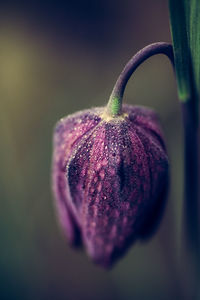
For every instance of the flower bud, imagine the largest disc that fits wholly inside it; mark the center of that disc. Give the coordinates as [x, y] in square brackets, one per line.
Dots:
[110, 178]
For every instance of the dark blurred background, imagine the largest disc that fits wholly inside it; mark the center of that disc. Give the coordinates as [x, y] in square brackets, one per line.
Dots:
[56, 58]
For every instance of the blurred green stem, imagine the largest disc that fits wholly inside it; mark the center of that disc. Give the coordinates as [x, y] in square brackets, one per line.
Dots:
[191, 222]
[185, 30]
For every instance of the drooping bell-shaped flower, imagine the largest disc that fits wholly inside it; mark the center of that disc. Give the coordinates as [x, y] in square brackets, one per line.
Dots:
[110, 176]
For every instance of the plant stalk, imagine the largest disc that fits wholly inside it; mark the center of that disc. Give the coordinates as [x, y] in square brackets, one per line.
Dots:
[191, 207]
[114, 106]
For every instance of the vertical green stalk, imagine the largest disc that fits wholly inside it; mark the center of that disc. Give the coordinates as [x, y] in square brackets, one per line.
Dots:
[190, 256]
[185, 29]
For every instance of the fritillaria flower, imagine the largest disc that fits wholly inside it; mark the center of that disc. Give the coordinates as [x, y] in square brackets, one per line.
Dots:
[110, 177]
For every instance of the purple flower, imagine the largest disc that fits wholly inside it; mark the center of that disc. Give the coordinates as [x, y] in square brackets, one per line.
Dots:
[110, 178]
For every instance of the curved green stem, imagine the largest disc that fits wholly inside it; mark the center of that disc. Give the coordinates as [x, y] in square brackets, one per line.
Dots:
[114, 106]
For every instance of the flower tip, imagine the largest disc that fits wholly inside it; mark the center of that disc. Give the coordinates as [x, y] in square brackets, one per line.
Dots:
[102, 259]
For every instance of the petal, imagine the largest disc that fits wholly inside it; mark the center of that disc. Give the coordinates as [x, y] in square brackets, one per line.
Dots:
[67, 133]
[146, 118]
[158, 167]
[156, 212]
[110, 174]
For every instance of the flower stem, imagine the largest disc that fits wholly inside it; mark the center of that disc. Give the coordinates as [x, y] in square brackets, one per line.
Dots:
[191, 221]
[114, 106]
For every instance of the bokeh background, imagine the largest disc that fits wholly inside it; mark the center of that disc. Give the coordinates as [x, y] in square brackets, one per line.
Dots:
[56, 58]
